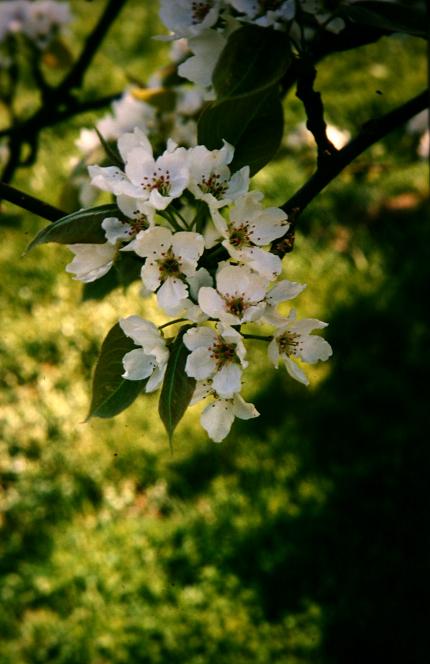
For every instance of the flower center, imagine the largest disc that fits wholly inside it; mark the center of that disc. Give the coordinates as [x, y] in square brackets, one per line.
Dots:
[159, 181]
[199, 11]
[289, 343]
[222, 353]
[138, 223]
[214, 185]
[239, 236]
[235, 305]
[169, 266]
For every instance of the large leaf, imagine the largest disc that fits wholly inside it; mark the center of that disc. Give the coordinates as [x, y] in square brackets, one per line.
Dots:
[111, 393]
[253, 59]
[82, 227]
[253, 124]
[177, 388]
[388, 16]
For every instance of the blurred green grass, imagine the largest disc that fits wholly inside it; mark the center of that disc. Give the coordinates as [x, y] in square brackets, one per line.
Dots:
[298, 540]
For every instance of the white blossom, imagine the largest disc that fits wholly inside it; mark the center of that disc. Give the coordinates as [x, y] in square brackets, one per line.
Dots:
[219, 414]
[170, 258]
[248, 228]
[150, 360]
[238, 298]
[293, 339]
[199, 67]
[91, 261]
[157, 181]
[275, 13]
[210, 176]
[188, 18]
[217, 354]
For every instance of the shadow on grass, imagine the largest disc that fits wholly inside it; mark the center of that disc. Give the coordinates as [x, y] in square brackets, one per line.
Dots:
[362, 554]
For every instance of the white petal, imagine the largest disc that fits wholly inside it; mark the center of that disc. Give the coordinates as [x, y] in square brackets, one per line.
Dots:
[156, 379]
[188, 246]
[171, 293]
[138, 365]
[200, 364]
[307, 325]
[140, 330]
[131, 140]
[273, 352]
[283, 291]
[261, 261]
[150, 275]
[199, 336]
[211, 302]
[315, 348]
[151, 243]
[227, 381]
[268, 225]
[115, 229]
[295, 371]
[91, 261]
[217, 419]
[202, 390]
[242, 409]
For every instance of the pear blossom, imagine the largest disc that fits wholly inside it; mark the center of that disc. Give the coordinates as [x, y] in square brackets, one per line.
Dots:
[267, 13]
[188, 18]
[126, 114]
[293, 339]
[248, 228]
[199, 67]
[91, 261]
[170, 258]
[140, 216]
[238, 298]
[217, 354]
[150, 360]
[157, 181]
[44, 18]
[218, 416]
[210, 176]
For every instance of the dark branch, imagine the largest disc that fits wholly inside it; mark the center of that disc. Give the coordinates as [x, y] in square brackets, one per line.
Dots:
[371, 132]
[30, 203]
[314, 110]
[75, 77]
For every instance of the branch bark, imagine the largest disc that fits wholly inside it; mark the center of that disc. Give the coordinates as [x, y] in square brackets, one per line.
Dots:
[30, 203]
[371, 133]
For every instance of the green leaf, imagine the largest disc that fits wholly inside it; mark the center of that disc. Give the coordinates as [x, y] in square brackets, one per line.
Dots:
[388, 16]
[111, 394]
[253, 59]
[83, 227]
[177, 387]
[253, 124]
[98, 289]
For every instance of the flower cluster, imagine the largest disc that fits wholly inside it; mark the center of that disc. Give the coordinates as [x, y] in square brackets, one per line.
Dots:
[207, 24]
[39, 21]
[204, 243]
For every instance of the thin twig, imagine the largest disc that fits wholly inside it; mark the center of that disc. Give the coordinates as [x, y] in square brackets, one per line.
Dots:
[30, 203]
[371, 132]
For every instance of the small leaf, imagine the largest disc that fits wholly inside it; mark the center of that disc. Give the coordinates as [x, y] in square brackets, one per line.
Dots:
[57, 55]
[253, 59]
[177, 387]
[252, 123]
[388, 16]
[83, 226]
[111, 393]
[110, 150]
